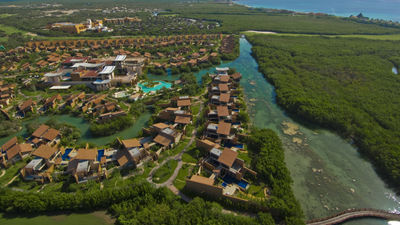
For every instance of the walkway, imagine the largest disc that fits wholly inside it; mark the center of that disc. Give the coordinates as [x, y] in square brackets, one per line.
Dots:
[354, 213]
[170, 182]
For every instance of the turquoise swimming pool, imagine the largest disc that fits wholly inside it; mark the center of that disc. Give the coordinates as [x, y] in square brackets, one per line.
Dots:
[160, 85]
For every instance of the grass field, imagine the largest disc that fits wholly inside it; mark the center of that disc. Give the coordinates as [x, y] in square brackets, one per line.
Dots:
[95, 218]
[10, 30]
[4, 15]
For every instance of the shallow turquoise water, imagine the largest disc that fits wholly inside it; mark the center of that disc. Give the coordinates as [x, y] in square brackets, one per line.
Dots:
[380, 9]
[161, 85]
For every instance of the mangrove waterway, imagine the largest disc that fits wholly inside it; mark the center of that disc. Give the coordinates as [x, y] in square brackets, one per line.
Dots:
[329, 174]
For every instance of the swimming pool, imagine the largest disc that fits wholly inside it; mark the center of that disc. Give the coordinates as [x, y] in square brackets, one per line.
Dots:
[160, 85]
[65, 156]
[100, 153]
[229, 180]
[230, 145]
[243, 184]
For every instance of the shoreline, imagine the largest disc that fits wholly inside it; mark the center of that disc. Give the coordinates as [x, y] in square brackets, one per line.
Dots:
[371, 16]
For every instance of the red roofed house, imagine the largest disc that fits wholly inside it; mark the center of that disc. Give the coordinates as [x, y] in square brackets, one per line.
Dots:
[131, 154]
[26, 107]
[85, 165]
[40, 167]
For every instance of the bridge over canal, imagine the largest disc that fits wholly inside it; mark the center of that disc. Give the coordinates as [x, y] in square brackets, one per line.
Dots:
[354, 214]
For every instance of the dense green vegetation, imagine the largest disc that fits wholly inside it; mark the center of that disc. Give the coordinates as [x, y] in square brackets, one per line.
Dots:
[342, 84]
[210, 18]
[237, 18]
[190, 86]
[8, 127]
[137, 203]
[267, 158]
[111, 126]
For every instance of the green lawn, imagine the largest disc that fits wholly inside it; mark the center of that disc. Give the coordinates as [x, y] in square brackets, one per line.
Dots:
[165, 171]
[191, 156]
[11, 172]
[178, 148]
[189, 130]
[180, 180]
[245, 157]
[95, 218]
[256, 190]
[4, 15]
[195, 109]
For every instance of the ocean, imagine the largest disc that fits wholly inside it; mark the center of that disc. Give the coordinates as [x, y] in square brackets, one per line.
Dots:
[378, 9]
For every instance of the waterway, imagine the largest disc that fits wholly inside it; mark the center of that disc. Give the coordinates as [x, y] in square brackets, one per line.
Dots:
[328, 172]
[83, 125]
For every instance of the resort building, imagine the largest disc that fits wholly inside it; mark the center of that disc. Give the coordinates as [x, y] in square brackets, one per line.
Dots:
[12, 151]
[45, 135]
[26, 107]
[85, 165]
[41, 167]
[132, 153]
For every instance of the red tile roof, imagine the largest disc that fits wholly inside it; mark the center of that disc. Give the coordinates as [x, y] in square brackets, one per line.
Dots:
[86, 154]
[40, 131]
[224, 97]
[51, 134]
[183, 102]
[224, 128]
[202, 180]
[228, 157]
[182, 119]
[13, 141]
[223, 87]
[45, 151]
[131, 143]
[222, 111]
[162, 140]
